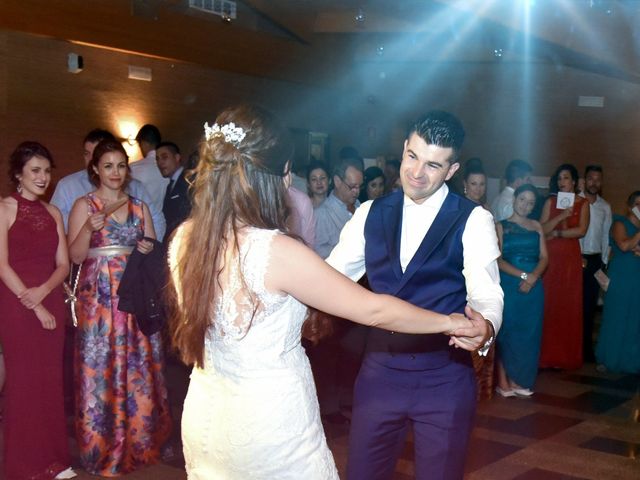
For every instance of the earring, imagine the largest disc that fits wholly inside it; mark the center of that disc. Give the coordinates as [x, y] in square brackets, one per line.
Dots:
[19, 188]
[465, 190]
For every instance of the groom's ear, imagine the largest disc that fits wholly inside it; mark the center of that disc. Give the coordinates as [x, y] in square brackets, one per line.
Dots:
[453, 168]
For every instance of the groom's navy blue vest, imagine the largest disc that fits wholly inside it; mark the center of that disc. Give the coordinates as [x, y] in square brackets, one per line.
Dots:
[433, 278]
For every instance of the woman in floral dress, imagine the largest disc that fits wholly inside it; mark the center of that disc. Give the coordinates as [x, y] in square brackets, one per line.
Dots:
[122, 413]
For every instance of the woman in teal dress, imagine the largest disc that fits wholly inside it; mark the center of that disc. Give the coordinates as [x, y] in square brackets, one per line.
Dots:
[523, 259]
[618, 347]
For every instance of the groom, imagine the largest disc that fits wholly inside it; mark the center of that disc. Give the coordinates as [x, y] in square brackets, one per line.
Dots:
[436, 250]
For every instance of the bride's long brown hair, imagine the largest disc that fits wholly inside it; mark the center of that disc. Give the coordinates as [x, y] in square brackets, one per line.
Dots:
[236, 184]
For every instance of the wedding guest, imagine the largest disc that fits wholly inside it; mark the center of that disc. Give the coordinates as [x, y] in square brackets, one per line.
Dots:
[330, 357]
[146, 169]
[176, 204]
[518, 172]
[77, 184]
[241, 286]
[122, 414]
[475, 182]
[33, 264]
[562, 328]
[392, 175]
[618, 347]
[318, 182]
[337, 209]
[595, 252]
[302, 220]
[373, 185]
[522, 262]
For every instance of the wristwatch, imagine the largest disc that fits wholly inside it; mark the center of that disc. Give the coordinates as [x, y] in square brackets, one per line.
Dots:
[482, 351]
[524, 276]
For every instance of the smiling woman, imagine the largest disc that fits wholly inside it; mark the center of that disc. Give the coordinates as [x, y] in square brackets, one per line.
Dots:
[114, 359]
[562, 328]
[33, 264]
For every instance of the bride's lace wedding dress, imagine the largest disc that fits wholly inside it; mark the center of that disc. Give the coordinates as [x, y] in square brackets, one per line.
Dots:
[252, 411]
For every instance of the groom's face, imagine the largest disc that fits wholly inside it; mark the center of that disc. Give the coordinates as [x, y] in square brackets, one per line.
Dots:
[424, 168]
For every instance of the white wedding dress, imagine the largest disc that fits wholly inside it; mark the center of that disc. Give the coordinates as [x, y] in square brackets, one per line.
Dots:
[252, 411]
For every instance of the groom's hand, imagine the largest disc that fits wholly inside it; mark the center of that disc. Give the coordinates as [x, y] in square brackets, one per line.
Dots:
[475, 335]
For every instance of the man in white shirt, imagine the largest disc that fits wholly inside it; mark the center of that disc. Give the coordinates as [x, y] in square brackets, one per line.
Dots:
[518, 172]
[329, 360]
[146, 170]
[337, 209]
[595, 252]
[438, 251]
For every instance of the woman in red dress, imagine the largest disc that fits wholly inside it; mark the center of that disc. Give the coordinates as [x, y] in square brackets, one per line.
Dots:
[33, 264]
[562, 327]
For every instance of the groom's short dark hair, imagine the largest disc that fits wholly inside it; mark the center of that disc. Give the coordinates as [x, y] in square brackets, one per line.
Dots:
[442, 129]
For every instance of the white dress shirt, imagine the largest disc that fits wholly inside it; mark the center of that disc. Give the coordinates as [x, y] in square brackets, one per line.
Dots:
[596, 240]
[479, 242]
[331, 215]
[147, 172]
[502, 205]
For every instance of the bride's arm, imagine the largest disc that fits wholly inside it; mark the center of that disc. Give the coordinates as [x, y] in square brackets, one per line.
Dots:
[298, 271]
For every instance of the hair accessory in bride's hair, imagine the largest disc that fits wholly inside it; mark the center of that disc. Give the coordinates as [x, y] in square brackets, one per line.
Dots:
[228, 131]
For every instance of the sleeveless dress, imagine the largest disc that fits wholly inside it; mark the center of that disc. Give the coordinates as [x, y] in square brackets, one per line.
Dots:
[252, 411]
[518, 341]
[618, 346]
[35, 437]
[562, 327]
[122, 412]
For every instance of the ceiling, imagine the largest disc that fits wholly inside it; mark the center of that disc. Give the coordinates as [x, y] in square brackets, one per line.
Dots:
[314, 41]
[602, 36]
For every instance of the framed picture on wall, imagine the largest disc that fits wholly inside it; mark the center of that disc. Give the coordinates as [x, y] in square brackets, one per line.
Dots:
[319, 146]
[307, 145]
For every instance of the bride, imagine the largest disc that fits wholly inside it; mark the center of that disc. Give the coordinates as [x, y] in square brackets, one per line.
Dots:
[240, 289]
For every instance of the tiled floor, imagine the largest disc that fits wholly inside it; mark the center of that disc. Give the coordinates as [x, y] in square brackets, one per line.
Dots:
[578, 425]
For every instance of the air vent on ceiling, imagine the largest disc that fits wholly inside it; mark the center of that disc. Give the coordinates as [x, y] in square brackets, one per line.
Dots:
[223, 8]
[589, 101]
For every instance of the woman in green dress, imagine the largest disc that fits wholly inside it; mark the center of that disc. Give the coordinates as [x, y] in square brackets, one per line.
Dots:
[523, 260]
[618, 347]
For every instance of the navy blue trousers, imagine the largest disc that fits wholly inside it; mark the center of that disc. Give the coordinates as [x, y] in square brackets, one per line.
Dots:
[439, 405]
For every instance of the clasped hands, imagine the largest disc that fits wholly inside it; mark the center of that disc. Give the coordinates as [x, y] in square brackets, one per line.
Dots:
[471, 331]
[31, 298]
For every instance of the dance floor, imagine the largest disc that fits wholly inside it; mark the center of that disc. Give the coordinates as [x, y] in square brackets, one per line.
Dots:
[578, 425]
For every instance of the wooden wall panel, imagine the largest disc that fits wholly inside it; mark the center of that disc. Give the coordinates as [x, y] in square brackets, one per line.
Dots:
[505, 117]
[47, 103]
